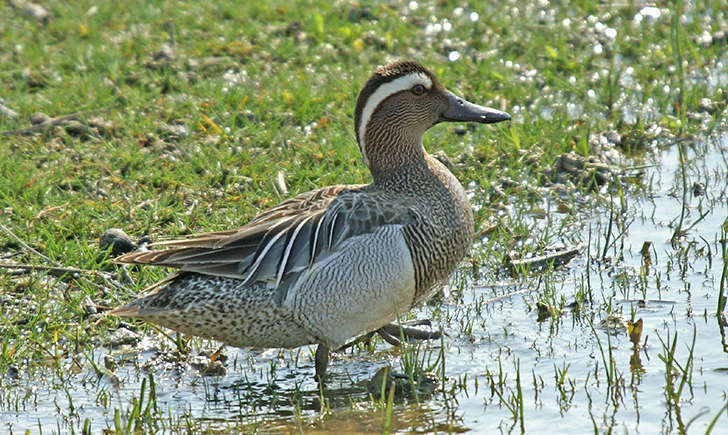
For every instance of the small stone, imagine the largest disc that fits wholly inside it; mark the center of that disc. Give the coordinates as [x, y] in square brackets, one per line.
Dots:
[12, 372]
[118, 240]
[121, 337]
[698, 189]
[706, 105]
[719, 36]
[207, 367]
[613, 137]
[614, 324]
[110, 362]
[173, 131]
[571, 163]
[460, 130]
[33, 10]
[89, 308]
[563, 208]
[39, 118]
[102, 125]
[166, 52]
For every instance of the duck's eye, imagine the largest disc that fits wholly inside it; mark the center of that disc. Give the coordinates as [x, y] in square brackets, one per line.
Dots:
[418, 89]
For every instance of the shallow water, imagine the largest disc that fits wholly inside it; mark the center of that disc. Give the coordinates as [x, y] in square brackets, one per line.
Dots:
[490, 339]
[495, 332]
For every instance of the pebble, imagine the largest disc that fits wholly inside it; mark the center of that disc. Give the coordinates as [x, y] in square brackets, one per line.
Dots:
[166, 52]
[121, 337]
[613, 137]
[118, 240]
[89, 308]
[39, 118]
[173, 130]
[33, 10]
[706, 105]
[698, 189]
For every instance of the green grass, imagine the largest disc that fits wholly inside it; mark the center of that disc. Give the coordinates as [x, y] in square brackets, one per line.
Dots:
[296, 70]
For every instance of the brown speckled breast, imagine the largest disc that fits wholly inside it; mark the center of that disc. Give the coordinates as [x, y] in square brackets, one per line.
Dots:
[443, 231]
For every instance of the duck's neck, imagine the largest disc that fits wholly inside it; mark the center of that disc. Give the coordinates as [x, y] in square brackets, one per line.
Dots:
[394, 153]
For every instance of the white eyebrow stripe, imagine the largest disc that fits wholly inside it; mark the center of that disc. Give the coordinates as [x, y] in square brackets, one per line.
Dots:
[382, 92]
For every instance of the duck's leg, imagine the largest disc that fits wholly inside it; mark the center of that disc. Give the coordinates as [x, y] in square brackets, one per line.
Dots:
[322, 361]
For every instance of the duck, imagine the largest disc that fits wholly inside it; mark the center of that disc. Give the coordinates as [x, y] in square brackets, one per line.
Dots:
[337, 262]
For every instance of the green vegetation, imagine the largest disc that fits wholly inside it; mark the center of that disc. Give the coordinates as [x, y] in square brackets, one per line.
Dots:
[169, 118]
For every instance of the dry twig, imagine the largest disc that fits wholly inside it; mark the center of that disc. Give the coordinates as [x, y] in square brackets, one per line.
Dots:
[27, 247]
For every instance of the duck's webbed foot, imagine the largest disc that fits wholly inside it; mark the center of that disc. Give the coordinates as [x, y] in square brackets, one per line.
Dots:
[393, 333]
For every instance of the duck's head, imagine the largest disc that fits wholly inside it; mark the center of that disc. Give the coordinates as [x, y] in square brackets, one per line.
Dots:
[398, 103]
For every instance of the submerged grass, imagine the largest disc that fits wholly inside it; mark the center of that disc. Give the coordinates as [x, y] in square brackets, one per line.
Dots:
[174, 118]
[723, 293]
[673, 370]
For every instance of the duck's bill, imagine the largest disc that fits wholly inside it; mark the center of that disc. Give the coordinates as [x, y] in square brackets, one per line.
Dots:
[465, 111]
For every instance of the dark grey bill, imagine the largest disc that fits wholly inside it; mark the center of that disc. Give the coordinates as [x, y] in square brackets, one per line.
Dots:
[465, 111]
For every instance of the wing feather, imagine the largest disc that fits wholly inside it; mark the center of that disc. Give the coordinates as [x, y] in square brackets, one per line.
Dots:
[283, 240]
[283, 266]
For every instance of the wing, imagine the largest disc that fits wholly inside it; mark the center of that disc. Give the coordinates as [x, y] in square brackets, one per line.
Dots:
[283, 240]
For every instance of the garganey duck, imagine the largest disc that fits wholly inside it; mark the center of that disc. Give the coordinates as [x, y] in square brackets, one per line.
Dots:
[334, 263]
